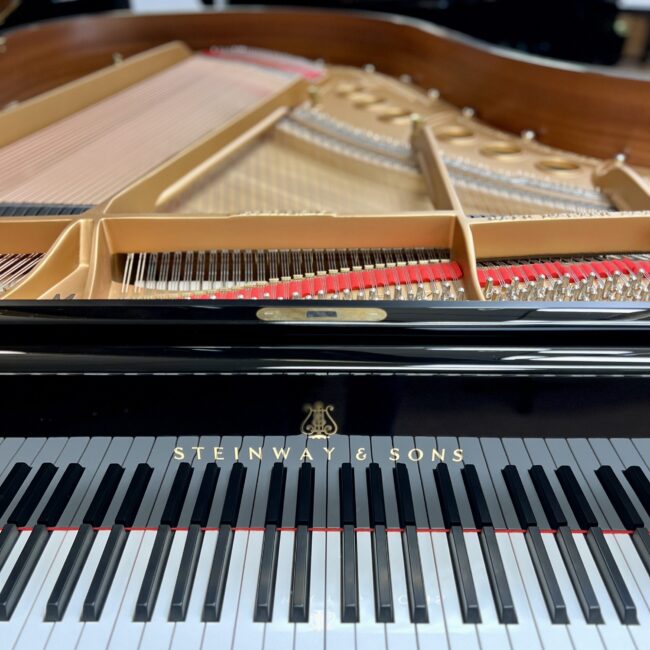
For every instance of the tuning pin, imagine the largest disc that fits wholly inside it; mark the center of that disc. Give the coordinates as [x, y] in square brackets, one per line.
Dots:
[433, 94]
[369, 67]
[406, 78]
[314, 95]
[620, 157]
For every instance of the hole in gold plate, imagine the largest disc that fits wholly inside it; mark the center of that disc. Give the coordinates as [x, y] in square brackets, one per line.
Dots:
[500, 149]
[457, 132]
[558, 165]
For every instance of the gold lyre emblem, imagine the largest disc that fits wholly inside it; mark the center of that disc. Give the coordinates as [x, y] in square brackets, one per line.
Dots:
[319, 423]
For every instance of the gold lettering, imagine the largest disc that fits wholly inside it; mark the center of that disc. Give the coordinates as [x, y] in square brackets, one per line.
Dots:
[198, 451]
[306, 456]
[361, 454]
[393, 454]
[237, 453]
[281, 453]
[415, 455]
[254, 454]
[218, 453]
[179, 453]
[458, 456]
[437, 455]
[329, 452]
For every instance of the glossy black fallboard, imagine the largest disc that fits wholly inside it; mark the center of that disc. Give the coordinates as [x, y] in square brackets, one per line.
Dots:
[94, 368]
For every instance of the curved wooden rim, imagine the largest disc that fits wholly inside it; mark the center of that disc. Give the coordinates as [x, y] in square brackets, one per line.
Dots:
[570, 107]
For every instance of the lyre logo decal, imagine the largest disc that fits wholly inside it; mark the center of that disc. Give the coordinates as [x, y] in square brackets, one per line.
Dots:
[319, 423]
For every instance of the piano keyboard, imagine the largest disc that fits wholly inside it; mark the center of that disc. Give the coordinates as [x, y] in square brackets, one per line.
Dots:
[601, 277]
[269, 542]
[365, 274]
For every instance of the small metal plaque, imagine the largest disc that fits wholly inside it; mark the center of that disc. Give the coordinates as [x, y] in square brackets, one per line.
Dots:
[322, 314]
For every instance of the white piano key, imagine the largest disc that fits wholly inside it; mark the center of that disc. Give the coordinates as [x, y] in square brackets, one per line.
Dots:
[248, 634]
[97, 634]
[400, 635]
[36, 630]
[337, 633]
[552, 636]
[280, 632]
[492, 635]
[525, 633]
[461, 635]
[66, 633]
[10, 630]
[220, 634]
[312, 634]
[158, 631]
[434, 633]
[613, 634]
[583, 635]
[189, 633]
[127, 633]
[370, 634]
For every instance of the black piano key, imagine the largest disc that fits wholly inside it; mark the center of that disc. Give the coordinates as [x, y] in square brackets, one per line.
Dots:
[578, 576]
[266, 580]
[567, 546]
[547, 498]
[61, 494]
[538, 554]
[380, 558]
[626, 511]
[476, 496]
[205, 496]
[12, 484]
[33, 494]
[104, 574]
[503, 601]
[105, 492]
[640, 484]
[469, 606]
[135, 492]
[520, 501]
[221, 560]
[349, 577]
[62, 592]
[177, 493]
[381, 573]
[348, 499]
[153, 574]
[186, 573]
[234, 492]
[619, 498]
[276, 495]
[8, 539]
[270, 546]
[458, 550]
[305, 498]
[448, 503]
[22, 571]
[412, 563]
[576, 498]
[299, 605]
[376, 506]
[218, 575]
[618, 592]
[546, 576]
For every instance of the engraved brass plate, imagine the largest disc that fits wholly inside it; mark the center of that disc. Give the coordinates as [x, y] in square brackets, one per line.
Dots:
[322, 314]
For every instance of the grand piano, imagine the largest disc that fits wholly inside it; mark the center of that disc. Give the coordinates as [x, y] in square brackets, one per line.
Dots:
[320, 329]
